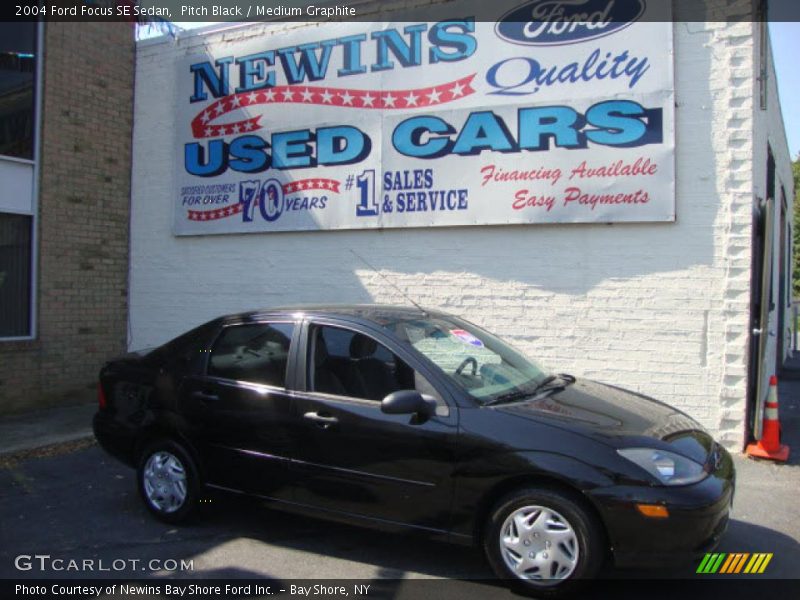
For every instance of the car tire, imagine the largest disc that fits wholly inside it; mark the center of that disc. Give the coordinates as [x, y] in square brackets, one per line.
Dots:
[549, 536]
[168, 481]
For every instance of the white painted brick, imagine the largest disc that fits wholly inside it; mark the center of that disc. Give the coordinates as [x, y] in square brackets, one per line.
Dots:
[662, 309]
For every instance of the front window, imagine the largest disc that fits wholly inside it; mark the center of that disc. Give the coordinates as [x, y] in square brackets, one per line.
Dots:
[343, 362]
[480, 363]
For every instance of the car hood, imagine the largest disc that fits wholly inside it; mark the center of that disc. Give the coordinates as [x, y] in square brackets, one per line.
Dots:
[609, 413]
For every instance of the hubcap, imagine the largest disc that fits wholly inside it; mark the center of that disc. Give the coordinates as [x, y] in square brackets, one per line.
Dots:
[165, 481]
[539, 544]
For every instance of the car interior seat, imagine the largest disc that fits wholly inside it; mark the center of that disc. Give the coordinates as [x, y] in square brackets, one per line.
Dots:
[325, 379]
[371, 377]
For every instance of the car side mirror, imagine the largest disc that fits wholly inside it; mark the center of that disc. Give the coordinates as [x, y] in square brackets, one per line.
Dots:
[408, 402]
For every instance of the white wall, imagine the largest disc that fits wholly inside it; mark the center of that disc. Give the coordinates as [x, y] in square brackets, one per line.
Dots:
[659, 308]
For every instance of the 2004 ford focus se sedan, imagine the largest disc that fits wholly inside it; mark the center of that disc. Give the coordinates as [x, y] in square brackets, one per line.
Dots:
[407, 418]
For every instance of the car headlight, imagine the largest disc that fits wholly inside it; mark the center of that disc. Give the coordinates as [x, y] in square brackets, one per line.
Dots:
[669, 468]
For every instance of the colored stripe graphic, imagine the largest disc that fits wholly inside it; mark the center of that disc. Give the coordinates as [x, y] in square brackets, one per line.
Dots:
[765, 563]
[726, 565]
[701, 568]
[740, 563]
[758, 563]
[710, 563]
[734, 563]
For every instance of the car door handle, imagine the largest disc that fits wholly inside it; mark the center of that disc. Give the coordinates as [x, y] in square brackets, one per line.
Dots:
[322, 421]
[205, 396]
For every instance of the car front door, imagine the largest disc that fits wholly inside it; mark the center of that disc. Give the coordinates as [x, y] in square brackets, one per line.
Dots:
[352, 457]
[239, 410]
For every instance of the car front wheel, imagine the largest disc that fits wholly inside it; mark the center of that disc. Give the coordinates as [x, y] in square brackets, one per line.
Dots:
[168, 481]
[543, 541]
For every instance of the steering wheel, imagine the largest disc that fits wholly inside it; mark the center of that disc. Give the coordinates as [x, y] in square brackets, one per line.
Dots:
[465, 362]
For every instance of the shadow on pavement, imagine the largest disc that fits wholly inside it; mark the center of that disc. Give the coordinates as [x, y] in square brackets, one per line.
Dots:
[740, 537]
[84, 506]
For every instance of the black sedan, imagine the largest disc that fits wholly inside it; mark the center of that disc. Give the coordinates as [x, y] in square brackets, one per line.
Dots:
[403, 418]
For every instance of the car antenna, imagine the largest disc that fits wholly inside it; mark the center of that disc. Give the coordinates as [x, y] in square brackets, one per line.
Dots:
[389, 281]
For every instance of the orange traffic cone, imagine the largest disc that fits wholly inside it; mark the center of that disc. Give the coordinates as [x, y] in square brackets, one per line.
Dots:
[769, 446]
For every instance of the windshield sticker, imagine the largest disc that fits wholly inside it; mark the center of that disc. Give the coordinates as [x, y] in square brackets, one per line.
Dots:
[466, 337]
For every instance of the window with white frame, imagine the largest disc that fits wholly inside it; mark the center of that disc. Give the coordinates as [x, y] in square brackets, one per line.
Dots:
[18, 116]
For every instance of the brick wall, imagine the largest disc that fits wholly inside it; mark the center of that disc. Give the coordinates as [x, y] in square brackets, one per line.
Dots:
[659, 308]
[84, 202]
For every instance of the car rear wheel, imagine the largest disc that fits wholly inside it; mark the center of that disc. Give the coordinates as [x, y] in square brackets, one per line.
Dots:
[168, 481]
[543, 541]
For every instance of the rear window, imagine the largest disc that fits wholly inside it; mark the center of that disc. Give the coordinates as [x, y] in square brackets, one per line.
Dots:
[185, 351]
[256, 353]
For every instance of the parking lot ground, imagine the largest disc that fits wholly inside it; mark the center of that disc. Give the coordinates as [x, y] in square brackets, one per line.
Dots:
[84, 505]
[74, 502]
[46, 427]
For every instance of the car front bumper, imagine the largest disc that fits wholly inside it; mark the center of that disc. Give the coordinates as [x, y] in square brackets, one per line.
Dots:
[698, 517]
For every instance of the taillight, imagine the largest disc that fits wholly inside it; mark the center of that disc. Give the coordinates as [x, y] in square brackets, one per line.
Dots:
[101, 396]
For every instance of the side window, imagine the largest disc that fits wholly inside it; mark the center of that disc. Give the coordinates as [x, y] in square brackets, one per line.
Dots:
[347, 363]
[257, 353]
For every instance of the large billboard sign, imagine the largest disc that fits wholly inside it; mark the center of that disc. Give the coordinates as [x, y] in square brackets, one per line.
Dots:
[562, 111]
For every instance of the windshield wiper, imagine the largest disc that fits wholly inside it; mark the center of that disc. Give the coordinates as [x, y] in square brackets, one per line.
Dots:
[510, 397]
[545, 385]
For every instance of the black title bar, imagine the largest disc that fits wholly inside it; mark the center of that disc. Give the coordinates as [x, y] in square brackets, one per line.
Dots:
[368, 10]
[701, 587]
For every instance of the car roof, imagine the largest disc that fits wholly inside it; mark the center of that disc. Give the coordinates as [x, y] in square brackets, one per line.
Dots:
[375, 313]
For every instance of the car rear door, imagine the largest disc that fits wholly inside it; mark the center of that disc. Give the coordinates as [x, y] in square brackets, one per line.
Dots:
[352, 457]
[239, 411]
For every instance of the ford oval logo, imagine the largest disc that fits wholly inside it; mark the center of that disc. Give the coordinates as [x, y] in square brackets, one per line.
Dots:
[556, 22]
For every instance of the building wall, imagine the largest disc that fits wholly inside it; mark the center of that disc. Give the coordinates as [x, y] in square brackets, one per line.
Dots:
[769, 132]
[83, 223]
[659, 308]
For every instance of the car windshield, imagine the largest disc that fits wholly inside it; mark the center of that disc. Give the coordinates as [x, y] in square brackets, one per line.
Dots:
[485, 366]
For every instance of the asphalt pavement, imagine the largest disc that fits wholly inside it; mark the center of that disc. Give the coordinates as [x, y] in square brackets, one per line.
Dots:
[82, 505]
[39, 428]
